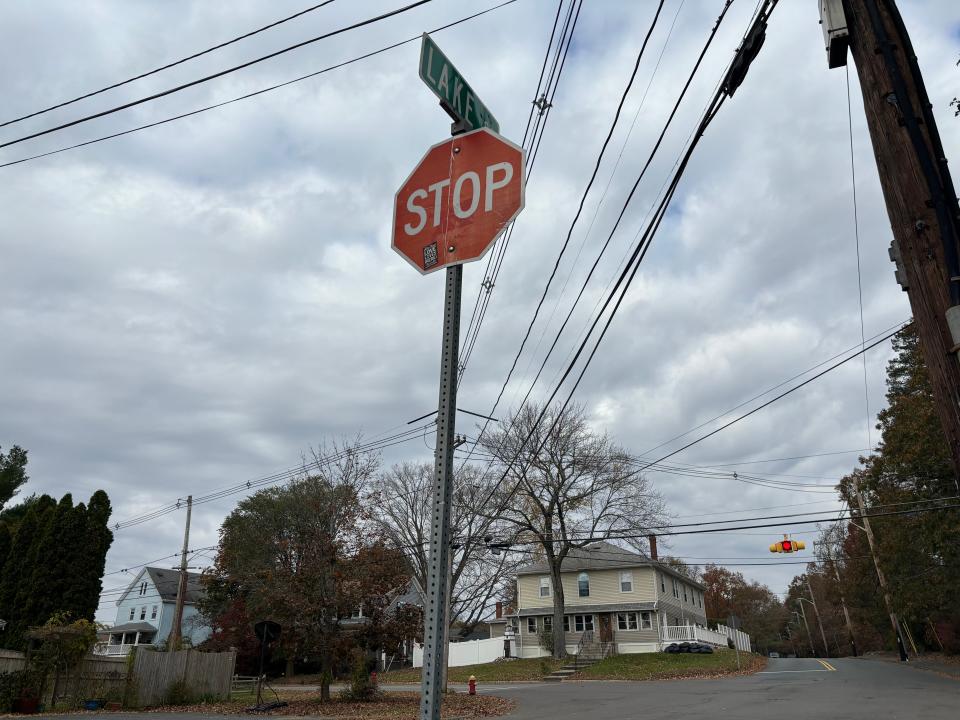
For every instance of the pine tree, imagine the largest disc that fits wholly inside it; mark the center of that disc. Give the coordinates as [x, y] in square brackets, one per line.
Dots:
[5, 541]
[83, 594]
[20, 565]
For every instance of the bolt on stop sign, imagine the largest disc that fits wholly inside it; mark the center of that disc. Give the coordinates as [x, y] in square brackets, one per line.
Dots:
[458, 200]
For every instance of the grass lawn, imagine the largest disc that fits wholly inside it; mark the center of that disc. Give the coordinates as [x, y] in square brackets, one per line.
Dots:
[665, 666]
[506, 671]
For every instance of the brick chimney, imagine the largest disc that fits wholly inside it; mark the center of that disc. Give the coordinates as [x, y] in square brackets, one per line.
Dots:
[653, 546]
[499, 610]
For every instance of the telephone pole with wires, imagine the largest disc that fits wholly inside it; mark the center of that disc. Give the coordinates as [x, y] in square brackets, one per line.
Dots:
[175, 633]
[917, 187]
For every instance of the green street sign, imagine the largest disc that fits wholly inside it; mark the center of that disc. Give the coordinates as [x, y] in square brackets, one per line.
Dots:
[456, 96]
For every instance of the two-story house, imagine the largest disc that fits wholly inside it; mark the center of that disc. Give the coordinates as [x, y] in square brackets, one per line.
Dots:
[146, 608]
[628, 601]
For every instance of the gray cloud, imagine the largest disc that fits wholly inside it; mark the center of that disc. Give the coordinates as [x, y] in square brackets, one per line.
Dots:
[195, 305]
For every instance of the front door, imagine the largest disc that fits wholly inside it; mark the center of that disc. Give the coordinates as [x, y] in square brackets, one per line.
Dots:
[606, 628]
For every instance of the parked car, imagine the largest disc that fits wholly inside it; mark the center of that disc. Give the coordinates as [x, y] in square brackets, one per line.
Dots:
[774, 654]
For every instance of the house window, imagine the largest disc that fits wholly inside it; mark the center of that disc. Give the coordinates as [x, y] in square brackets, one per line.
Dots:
[132, 611]
[143, 613]
[143, 588]
[548, 624]
[700, 598]
[626, 621]
[583, 622]
[626, 582]
[684, 593]
[583, 585]
[532, 625]
[566, 623]
[645, 621]
[675, 587]
[153, 613]
[544, 587]
[663, 588]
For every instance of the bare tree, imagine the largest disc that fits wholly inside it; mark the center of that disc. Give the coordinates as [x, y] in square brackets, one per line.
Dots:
[565, 486]
[402, 499]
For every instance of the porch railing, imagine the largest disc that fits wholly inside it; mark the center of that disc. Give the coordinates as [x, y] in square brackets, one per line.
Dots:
[693, 633]
[117, 650]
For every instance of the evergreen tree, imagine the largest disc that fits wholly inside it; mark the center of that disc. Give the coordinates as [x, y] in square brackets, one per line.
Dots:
[5, 540]
[83, 594]
[19, 566]
[13, 473]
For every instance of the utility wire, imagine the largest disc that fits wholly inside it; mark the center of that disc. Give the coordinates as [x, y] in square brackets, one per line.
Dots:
[856, 235]
[167, 66]
[254, 93]
[221, 73]
[776, 398]
[576, 217]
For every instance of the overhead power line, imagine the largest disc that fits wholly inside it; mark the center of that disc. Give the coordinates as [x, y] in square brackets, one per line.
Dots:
[169, 65]
[214, 76]
[778, 397]
[249, 95]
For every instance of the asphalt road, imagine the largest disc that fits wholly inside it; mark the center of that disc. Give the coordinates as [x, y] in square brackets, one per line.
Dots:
[789, 689]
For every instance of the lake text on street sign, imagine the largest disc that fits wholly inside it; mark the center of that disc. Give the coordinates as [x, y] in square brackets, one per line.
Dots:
[456, 96]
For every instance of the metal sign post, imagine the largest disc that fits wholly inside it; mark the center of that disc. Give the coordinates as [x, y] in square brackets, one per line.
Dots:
[436, 591]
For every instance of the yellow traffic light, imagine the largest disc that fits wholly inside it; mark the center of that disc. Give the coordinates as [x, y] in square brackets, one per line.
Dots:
[787, 545]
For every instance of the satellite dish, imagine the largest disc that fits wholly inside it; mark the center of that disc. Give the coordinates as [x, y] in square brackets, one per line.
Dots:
[267, 631]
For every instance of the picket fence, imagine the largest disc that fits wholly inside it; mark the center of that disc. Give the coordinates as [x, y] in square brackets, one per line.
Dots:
[203, 675]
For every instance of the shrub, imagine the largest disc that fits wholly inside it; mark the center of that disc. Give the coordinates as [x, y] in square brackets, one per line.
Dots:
[20, 683]
[546, 640]
[361, 687]
[179, 693]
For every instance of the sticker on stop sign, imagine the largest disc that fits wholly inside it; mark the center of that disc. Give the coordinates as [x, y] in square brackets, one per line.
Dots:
[457, 201]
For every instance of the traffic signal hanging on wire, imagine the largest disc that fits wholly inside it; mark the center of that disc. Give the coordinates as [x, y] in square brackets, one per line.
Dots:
[787, 545]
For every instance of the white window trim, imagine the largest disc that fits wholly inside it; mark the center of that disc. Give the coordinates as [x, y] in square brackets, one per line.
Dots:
[133, 611]
[627, 618]
[531, 621]
[645, 620]
[545, 585]
[548, 620]
[153, 612]
[627, 574]
[586, 576]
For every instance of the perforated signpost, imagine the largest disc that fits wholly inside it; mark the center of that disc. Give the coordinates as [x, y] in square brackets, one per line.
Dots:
[450, 210]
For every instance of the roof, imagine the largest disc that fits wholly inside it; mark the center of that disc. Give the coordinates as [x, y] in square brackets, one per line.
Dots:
[602, 555]
[131, 627]
[167, 581]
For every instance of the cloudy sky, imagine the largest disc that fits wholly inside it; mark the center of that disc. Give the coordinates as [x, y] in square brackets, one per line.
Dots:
[196, 305]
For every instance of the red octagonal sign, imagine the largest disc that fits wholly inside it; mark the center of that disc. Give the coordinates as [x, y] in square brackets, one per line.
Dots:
[458, 200]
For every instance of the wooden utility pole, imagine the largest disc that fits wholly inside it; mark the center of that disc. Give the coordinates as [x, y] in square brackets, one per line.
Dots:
[816, 611]
[888, 601]
[175, 638]
[919, 193]
[843, 604]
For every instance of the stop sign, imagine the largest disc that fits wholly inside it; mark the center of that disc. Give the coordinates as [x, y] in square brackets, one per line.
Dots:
[457, 201]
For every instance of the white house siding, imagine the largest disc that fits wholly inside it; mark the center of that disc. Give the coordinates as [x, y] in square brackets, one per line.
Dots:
[676, 609]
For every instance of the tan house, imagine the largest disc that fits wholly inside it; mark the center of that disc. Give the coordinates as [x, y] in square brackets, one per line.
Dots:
[621, 599]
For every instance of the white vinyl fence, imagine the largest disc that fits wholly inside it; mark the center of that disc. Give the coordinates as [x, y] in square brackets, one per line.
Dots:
[718, 637]
[740, 638]
[471, 652]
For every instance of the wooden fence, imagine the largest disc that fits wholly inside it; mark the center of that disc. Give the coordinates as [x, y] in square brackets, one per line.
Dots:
[198, 675]
[11, 661]
[94, 678]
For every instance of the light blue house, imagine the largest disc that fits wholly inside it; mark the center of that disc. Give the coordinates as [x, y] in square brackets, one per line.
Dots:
[145, 612]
